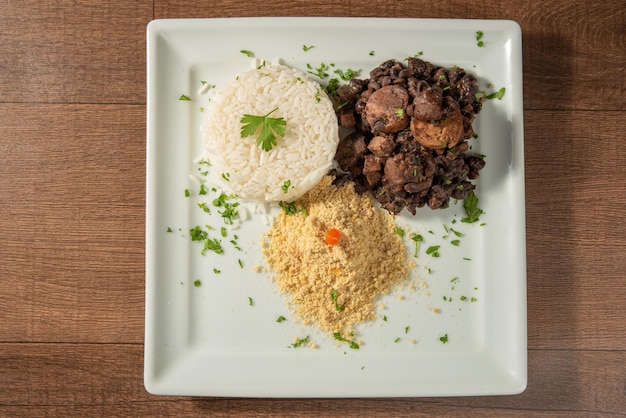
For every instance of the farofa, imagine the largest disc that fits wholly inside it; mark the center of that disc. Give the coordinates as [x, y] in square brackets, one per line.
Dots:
[335, 286]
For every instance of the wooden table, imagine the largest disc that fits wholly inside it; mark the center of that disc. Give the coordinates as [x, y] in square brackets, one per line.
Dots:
[72, 175]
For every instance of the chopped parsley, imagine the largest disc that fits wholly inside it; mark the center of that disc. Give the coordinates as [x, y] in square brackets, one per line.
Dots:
[184, 97]
[197, 283]
[352, 344]
[250, 301]
[270, 128]
[292, 208]
[433, 250]
[372, 53]
[305, 48]
[444, 339]
[479, 37]
[347, 75]
[229, 209]
[333, 297]
[331, 88]
[455, 242]
[399, 231]
[417, 238]
[281, 319]
[247, 53]
[187, 194]
[320, 71]
[300, 342]
[471, 208]
[169, 229]
[214, 245]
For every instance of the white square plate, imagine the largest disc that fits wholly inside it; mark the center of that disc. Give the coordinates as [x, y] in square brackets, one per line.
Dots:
[211, 341]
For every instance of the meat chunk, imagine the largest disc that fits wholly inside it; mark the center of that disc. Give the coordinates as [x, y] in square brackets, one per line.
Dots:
[446, 132]
[346, 118]
[372, 170]
[428, 105]
[350, 152]
[381, 146]
[385, 109]
[396, 172]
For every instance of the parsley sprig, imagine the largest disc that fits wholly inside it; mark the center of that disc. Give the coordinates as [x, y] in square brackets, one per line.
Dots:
[270, 128]
[471, 208]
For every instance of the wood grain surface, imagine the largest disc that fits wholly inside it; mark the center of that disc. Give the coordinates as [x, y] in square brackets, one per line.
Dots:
[72, 176]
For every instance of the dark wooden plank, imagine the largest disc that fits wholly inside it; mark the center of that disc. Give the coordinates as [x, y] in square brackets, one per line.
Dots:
[67, 379]
[81, 51]
[573, 52]
[72, 215]
[575, 229]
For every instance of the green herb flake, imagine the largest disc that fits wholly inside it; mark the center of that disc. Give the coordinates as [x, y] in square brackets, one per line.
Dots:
[198, 234]
[292, 208]
[184, 97]
[250, 301]
[270, 128]
[372, 53]
[240, 263]
[433, 250]
[300, 342]
[406, 330]
[197, 283]
[463, 297]
[397, 340]
[497, 95]
[213, 245]
[216, 271]
[399, 113]
[473, 299]
[471, 208]
[247, 53]
[399, 231]
[353, 345]
[479, 37]
[281, 319]
[417, 238]
[333, 298]
[348, 74]
[305, 48]
[202, 190]
[332, 86]
[187, 193]
[223, 232]
[455, 242]
[444, 339]
[169, 229]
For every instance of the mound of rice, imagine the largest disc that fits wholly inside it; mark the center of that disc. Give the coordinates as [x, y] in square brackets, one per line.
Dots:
[301, 158]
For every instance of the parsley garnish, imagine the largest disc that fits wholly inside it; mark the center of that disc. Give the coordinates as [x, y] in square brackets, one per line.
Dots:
[197, 283]
[417, 238]
[331, 88]
[306, 48]
[281, 319]
[433, 250]
[347, 75]
[291, 208]
[184, 97]
[479, 37]
[286, 185]
[471, 208]
[270, 127]
[300, 342]
[247, 53]
[352, 344]
[444, 339]
[497, 95]
[250, 301]
[333, 297]
[399, 231]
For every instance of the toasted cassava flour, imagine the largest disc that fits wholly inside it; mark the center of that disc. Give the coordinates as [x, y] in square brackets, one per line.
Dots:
[335, 286]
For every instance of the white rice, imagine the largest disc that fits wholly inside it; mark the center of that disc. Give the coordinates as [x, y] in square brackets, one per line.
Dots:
[302, 157]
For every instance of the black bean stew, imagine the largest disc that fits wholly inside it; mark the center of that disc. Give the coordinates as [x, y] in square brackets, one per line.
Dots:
[410, 126]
